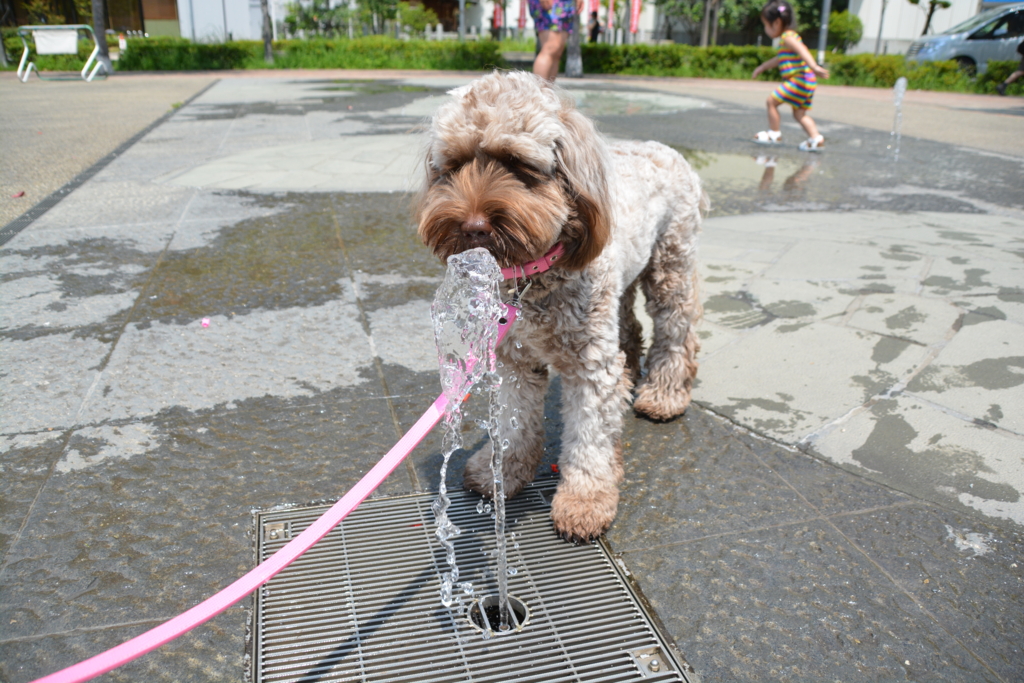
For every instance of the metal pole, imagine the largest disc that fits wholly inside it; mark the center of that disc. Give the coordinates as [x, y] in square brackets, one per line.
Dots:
[192, 19]
[462, 20]
[573, 57]
[881, 23]
[224, 9]
[826, 9]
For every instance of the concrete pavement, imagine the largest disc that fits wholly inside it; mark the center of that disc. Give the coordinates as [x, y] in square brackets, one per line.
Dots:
[52, 131]
[842, 502]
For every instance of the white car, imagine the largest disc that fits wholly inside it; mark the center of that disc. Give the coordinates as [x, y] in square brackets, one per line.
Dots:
[993, 34]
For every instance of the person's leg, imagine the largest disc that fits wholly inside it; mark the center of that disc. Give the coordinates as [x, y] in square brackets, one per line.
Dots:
[774, 119]
[805, 120]
[552, 43]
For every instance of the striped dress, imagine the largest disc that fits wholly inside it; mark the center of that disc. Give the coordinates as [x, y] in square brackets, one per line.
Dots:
[798, 87]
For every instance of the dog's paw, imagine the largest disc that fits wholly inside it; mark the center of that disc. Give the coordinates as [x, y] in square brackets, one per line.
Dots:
[660, 406]
[478, 476]
[583, 516]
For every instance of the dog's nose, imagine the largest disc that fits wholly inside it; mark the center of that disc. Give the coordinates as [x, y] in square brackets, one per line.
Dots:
[477, 226]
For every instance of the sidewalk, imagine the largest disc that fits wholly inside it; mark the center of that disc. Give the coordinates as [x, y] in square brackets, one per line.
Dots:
[842, 502]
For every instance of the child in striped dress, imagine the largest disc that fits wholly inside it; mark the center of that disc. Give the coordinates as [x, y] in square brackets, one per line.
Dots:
[798, 68]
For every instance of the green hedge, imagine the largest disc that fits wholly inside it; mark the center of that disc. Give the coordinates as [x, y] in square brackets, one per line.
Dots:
[371, 52]
[738, 62]
[381, 52]
[179, 54]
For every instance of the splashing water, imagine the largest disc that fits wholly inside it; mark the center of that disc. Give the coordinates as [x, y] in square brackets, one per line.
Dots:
[466, 311]
[898, 92]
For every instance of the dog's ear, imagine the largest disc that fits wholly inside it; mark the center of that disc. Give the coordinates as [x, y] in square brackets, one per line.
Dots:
[583, 164]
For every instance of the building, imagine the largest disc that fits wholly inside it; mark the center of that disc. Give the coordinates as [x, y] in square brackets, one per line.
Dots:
[903, 22]
[222, 20]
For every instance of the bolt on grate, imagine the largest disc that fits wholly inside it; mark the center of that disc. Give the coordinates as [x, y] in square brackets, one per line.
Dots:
[363, 604]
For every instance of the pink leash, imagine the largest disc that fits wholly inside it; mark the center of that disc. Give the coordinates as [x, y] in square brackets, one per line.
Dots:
[265, 571]
[214, 605]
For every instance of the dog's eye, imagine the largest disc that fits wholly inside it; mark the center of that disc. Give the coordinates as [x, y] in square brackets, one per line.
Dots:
[525, 173]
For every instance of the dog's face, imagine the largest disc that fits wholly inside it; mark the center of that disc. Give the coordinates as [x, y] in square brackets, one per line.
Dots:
[514, 168]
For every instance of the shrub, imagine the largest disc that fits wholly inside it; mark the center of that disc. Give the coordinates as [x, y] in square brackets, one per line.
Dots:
[725, 61]
[179, 54]
[996, 74]
[384, 52]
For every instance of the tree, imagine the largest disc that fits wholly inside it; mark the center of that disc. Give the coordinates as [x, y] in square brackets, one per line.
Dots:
[932, 6]
[686, 12]
[268, 32]
[317, 18]
[844, 30]
[416, 17]
[374, 12]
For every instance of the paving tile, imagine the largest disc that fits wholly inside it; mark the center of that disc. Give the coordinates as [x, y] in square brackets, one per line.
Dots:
[365, 163]
[713, 338]
[213, 652]
[826, 260]
[379, 236]
[793, 299]
[772, 382]
[53, 374]
[919, 319]
[828, 488]
[968, 574]
[285, 353]
[65, 237]
[25, 462]
[119, 203]
[796, 603]
[965, 274]
[688, 479]
[931, 454]
[162, 507]
[980, 373]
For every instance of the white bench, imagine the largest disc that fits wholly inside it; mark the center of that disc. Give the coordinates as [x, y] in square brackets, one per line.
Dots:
[58, 40]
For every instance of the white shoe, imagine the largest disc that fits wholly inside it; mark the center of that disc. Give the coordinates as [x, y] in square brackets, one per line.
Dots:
[813, 144]
[768, 137]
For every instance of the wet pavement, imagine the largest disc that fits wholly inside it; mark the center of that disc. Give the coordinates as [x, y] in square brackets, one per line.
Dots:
[842, 502]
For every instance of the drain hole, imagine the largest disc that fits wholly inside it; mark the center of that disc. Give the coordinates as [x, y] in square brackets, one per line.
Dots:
[484, 615]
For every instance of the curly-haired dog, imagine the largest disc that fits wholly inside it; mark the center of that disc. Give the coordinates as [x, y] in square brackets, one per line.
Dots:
[515, 168]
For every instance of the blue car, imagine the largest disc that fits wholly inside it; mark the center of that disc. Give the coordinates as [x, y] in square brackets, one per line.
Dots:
[993, 34]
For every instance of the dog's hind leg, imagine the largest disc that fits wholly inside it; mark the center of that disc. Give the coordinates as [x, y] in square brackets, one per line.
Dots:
[673, 302]
[631, 339]
[522, 392]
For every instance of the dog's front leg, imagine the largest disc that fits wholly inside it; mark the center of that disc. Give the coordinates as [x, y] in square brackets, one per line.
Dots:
[593, 401]
[523, 386]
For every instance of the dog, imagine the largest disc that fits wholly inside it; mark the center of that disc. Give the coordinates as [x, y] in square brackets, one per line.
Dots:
[515, 168]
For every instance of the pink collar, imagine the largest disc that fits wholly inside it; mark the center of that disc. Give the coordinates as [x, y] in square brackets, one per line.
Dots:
[535, 267]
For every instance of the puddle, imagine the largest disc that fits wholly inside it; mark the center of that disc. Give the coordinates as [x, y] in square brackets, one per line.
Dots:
[760, 178]
[370, 87]
[605, 103]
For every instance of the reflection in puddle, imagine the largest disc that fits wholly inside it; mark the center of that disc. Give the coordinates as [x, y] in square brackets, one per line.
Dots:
[625, 103]
[793, 184]
[749, 178]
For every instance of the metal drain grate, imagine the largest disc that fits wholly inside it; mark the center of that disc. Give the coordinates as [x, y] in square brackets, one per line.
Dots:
[363, 604]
